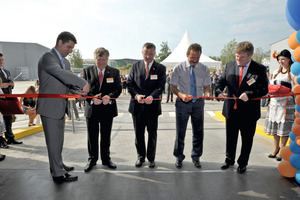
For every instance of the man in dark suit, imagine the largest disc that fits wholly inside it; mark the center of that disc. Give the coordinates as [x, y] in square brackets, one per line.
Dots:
[7, 86]
[55, 78]
[105, 82]
[246, 80]
[146, 82]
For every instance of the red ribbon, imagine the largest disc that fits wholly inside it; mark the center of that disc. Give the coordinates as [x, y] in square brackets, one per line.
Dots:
[90, 97]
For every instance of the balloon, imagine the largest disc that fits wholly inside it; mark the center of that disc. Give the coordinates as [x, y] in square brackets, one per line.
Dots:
[295, 160]
[297, 140]
[297, 114]
[292, 13]
[286, 169]
[293, 59]
[297, 121]
[295, 68]
[292, 136]
[297, 108]
[292, 41]
[297, 100]
[296, 89]
[296, 54]
[297, 82]
[297, 176]
[294, 147]
[298, 36]
[286, 153]
[290, 141]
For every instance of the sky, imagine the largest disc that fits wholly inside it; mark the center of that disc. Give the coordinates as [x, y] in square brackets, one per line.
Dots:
[123, 26]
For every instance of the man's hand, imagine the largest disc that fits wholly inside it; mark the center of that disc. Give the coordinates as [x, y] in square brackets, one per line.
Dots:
[5, 85]
[85, 90]
[96, 100]
[140, 98]
[244, 97]
[222, 95]
[185, 97]
[207, 95]
[149, 100]
[105, 99]
[81, 98]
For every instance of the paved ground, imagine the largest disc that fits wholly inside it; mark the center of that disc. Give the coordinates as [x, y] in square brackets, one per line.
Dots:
[25, 172]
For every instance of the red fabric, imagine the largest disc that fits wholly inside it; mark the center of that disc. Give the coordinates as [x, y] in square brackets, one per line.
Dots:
[10, 106]
[278, 89]
[100, 77]
[240, 81]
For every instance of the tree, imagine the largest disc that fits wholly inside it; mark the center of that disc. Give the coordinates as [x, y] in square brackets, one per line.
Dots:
[259, 55]
[164, 52]
[228, 52]
[76, 59]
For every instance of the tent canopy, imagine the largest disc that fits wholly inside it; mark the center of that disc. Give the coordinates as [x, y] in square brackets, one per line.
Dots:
[179, 55]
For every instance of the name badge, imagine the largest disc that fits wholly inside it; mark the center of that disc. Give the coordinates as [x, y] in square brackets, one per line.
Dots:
[153, 77]
[110, 80]
[251, 81]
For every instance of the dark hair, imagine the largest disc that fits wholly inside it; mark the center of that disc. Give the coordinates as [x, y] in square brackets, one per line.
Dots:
[149, 45]
[66, 37]
[285, 53]
[32, 88]
[195, 47]
[1, 55]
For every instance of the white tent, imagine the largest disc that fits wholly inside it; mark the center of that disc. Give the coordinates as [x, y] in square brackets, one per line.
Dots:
[179, 55]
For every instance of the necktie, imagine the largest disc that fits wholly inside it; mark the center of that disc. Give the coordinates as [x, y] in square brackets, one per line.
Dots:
[2, 73]
[240, 81]
[100, 77]
[147, 69]
[63, 64]
[193, 84]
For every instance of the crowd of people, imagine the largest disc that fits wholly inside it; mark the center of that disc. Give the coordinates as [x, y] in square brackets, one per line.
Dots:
[242, 78]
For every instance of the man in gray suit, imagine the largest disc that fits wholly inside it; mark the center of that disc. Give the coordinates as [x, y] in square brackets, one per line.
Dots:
[55, 79]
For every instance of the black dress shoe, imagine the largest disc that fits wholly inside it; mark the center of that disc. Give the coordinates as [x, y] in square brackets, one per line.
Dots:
[274, 156]
[110, 165]
[151, 164]
[2, 157]
[197, 163]
[178, 164]
[67, 168]
[241, 169]
[3, 143]
[139, 162]
[225, 166]
[278, 158]
[13, 141]
[89, 166]
[65, 178]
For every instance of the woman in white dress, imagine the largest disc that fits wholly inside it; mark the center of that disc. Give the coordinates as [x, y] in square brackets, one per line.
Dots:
[280, 115]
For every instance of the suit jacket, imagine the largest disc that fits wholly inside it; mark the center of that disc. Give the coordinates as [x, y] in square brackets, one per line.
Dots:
[55, 80]
[152, 85]
[7, 90]
[258, 88]
[112, 89]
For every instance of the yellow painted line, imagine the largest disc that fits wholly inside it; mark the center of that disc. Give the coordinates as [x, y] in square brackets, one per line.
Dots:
[259, 129]
[23, 132]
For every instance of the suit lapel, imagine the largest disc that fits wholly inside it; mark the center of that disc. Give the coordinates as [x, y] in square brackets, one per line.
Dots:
[57, 57]
[96, 76]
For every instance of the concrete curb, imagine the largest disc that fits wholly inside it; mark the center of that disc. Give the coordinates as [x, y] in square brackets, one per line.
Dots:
[23, 132]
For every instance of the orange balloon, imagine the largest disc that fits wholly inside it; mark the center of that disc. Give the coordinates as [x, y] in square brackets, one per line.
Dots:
[296, 114]
[297, 140]
[292, 41]
[297, 100]
[296, 130]
[295, 80]
[297, 121]
[286, 169]
[296, 89]
[286, 153]
[296, 54]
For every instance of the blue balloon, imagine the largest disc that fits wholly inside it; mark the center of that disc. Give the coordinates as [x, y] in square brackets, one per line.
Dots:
[298, 36]
[293, 59]
[298, 79]
[297, 108]
[294, 147]
[292, 13]
[292, 136]
[295, 160]
[297, 176]
[295, 68]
